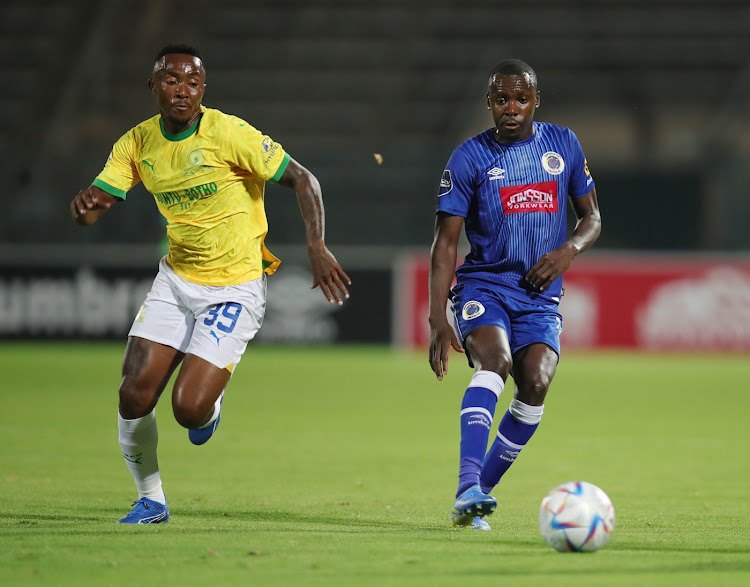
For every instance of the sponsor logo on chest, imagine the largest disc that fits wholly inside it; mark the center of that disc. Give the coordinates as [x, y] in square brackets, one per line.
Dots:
[530, 197]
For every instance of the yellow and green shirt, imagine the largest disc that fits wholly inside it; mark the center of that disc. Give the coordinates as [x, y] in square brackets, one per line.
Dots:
[209, 183]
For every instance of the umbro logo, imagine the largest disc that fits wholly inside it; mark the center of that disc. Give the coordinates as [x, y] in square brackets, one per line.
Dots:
[496, 173]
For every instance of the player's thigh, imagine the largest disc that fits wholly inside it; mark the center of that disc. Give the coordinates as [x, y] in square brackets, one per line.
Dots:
[489, 349]
[536, 349]
[226, 319]
[534, 323]
[199, 384]
[146, 369]
[484, 326]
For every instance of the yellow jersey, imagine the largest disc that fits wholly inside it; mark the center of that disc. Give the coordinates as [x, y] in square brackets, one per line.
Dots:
[209, 183]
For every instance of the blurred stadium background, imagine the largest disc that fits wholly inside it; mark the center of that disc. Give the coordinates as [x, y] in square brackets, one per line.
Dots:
[657, 92]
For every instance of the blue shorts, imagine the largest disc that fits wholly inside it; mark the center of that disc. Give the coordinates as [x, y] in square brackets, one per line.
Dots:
[525, 323]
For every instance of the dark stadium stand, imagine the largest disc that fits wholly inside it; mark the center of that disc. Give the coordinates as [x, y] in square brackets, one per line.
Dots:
[338, 81]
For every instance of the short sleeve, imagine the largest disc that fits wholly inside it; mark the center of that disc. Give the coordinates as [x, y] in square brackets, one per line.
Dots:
[581, 182]
[120, 173]
[251, 150]
[457, 185]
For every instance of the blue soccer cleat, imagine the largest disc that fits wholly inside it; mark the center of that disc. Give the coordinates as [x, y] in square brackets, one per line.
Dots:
[470, 504]
[146, 511]
[201, 435]
[480, 524]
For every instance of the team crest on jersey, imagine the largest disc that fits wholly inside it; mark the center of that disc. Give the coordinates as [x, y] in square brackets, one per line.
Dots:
[196, 160]
[472, 310]
[496, 173]
[530, 197]
[446, 183]
[553, 163]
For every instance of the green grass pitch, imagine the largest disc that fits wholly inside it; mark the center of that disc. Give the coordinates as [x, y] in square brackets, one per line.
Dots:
[337, 466]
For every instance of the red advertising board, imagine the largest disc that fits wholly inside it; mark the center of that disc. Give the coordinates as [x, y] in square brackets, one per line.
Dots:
[628, 301]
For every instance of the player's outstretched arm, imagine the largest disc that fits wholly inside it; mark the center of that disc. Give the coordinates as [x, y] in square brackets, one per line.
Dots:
[556, 262]
[326, 271]
[442, 267]
[90, 203]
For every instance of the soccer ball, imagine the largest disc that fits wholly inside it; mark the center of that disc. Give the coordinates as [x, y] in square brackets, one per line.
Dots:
[576, 517]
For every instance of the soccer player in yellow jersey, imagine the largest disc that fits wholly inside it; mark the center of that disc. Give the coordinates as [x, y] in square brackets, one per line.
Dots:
[207, 171]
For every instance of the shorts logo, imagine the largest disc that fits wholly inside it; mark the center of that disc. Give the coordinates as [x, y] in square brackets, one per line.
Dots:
[446, 183]
[217, 337]
[553, 163]
[531, 197]
[472, 310]
[496, 173]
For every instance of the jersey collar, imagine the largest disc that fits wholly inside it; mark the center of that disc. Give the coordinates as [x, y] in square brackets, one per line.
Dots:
[182, 135]
[518, 143]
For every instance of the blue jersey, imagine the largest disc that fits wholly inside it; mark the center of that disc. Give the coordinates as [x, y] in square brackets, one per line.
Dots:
[513, 198]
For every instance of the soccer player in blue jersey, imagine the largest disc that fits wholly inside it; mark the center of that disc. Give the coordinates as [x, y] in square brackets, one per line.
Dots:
[507, 186]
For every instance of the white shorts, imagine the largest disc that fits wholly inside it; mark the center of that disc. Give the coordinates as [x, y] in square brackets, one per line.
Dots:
[214, 323]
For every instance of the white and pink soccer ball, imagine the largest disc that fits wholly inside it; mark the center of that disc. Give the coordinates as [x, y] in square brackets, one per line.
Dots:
[576, 517]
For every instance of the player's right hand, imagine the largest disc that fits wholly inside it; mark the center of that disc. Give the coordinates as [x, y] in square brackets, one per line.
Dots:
[89, 204]
[442, 338]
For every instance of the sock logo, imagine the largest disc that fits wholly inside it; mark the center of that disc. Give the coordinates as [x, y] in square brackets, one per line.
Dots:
[510, 455]
[134, 458]
[480, 419]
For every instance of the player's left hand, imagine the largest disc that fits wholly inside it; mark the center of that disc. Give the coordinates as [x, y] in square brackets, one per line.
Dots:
[328, 274]
[551, 266]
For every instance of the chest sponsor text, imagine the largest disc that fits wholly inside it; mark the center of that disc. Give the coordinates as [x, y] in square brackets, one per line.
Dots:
[531, 197]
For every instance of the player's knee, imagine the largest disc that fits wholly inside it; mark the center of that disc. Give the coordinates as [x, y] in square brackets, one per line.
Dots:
[136, 399]
[190, 414]
[534, 391]
[499, 362]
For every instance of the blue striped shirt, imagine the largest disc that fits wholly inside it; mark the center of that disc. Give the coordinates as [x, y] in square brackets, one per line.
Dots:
[513, 198]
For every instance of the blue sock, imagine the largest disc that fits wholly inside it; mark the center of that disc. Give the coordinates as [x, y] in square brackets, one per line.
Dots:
[477, 411]
[516, 428]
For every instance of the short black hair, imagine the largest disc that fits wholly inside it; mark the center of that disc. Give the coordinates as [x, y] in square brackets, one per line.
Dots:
[178, 48]
[513, 67]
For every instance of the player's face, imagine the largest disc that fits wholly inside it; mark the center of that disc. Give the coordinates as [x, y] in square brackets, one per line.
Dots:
[512, 101]
[178, 81]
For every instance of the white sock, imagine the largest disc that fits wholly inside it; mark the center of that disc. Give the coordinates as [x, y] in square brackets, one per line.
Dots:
[217, 410]
[138, 440]
[525, 413]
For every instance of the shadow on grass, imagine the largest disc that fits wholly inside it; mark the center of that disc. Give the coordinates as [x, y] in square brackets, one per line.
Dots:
[210, 521]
